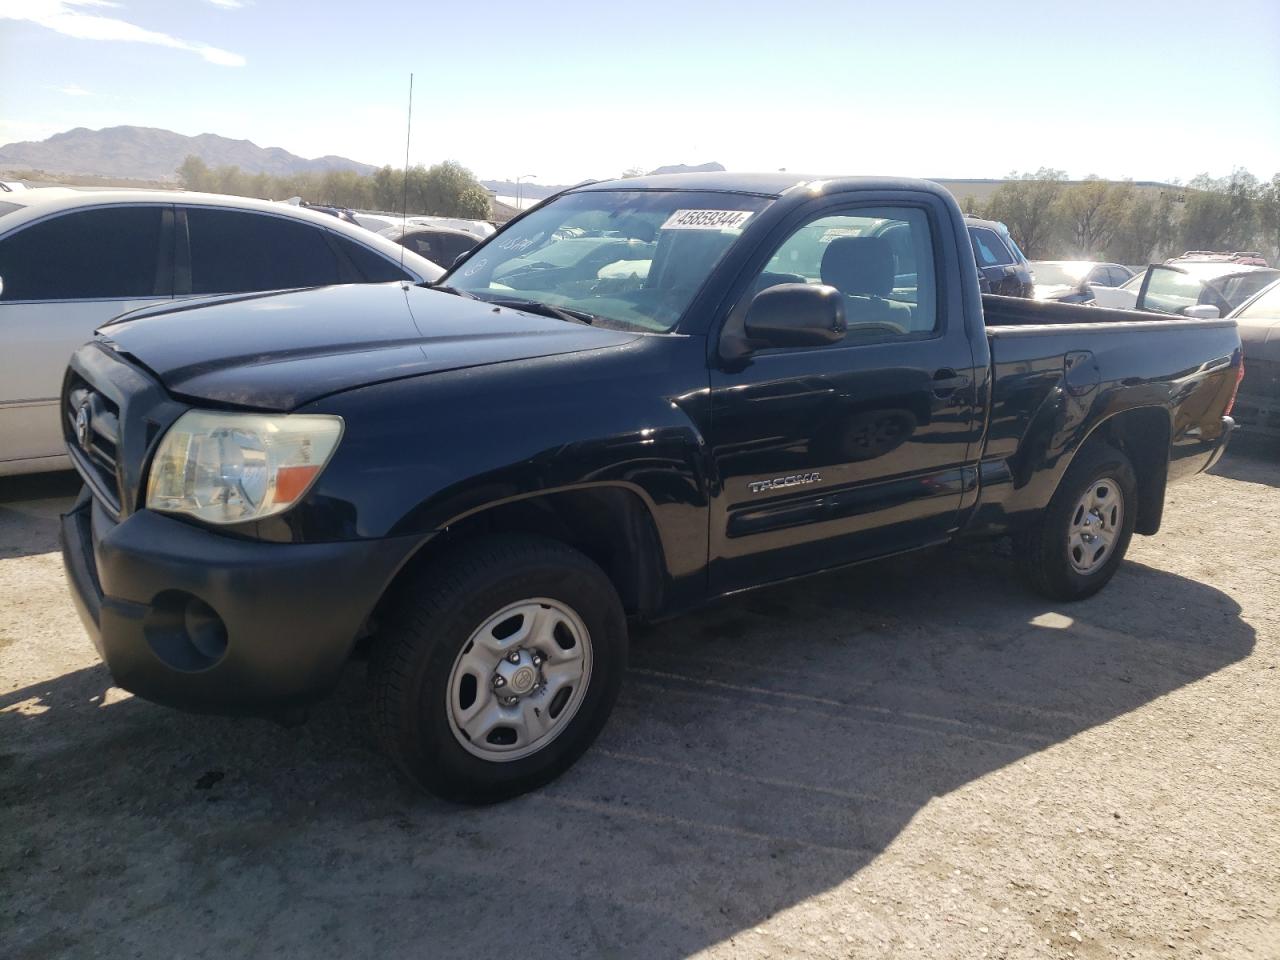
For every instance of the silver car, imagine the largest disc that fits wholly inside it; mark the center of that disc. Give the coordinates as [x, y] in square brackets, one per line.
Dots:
[70, 260]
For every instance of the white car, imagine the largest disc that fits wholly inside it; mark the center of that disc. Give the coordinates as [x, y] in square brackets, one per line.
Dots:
[1203, 289]
[70, 260]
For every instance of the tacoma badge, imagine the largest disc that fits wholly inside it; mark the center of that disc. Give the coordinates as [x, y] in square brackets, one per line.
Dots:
[794, 480]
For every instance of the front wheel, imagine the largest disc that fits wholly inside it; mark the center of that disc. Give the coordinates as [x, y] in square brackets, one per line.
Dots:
[1081, 538]
[498, 668]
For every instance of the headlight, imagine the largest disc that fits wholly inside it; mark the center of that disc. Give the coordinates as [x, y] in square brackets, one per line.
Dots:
[232, 467]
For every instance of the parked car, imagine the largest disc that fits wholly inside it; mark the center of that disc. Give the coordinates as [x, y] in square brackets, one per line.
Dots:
[1073, 281]
[377, 222]
[1203, 289]
[1002, 268]
[482, 229]
[342, 213]
[485, 484]
[438, 244]
[1247, 257]
[1258, 403]
[70, 260]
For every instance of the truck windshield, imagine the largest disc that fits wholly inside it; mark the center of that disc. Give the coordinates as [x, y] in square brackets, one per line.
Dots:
[635, 258]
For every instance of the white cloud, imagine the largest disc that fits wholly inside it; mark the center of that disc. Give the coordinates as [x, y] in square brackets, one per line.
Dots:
[227, 4]
[67, 18]
[74, 90]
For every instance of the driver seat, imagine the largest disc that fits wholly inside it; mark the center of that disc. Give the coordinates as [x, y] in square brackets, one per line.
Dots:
[863, 269]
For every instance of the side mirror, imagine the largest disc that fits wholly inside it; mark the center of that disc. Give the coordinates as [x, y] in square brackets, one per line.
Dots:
[1202, 311]
[796, 315]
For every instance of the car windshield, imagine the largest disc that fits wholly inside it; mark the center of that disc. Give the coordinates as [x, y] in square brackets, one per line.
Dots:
[1266, 307]
[1064, 272]
[634, 258]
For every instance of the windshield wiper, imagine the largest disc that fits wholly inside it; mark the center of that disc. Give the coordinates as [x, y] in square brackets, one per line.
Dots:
[454, 290]
[546, 309]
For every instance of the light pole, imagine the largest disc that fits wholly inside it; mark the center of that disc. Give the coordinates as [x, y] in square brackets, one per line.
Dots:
[523, 176]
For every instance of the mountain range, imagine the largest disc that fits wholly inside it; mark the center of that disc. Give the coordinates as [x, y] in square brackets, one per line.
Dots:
[148, 153]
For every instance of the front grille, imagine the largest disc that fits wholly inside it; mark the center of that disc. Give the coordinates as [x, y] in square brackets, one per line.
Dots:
[92, 427]
[1261, 379]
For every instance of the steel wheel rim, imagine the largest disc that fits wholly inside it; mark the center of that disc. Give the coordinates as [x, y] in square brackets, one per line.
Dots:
[1095, 525]
[507, 694]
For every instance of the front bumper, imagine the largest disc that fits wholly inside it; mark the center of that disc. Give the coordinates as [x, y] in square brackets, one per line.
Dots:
[190, 618]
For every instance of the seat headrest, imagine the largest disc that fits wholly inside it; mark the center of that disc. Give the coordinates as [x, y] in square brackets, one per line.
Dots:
[861, 266]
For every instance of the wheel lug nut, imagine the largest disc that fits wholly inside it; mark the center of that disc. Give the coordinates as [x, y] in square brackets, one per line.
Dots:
[498, 681]
[514, 656]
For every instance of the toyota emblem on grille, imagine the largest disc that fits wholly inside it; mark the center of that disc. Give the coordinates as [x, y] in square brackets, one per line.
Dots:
[82, 426]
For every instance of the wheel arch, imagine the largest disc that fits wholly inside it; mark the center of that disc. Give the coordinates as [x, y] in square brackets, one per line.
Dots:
[610, 523]
[1142, 434]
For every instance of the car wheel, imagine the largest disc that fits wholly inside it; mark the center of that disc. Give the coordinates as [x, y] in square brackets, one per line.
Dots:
[1082, 536]
[498, 667]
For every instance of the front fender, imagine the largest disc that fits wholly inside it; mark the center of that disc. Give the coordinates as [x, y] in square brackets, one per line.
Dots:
[422, 453]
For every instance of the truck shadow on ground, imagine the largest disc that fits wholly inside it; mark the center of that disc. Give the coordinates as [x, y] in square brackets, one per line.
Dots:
[1252, 459]
[762, 752]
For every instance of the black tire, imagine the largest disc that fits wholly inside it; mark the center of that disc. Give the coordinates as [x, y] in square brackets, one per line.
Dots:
[430, 622]
[1043, 548]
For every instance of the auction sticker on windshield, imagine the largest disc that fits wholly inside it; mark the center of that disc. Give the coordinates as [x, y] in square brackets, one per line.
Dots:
[706, 220]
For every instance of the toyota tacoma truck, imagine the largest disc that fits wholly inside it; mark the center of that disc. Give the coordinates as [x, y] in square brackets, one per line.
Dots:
[482, 481]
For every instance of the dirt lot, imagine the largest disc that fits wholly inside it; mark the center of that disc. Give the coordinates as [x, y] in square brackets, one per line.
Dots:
[911, 760]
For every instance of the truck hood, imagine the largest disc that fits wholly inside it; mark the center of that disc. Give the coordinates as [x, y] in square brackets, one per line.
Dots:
[279, 351]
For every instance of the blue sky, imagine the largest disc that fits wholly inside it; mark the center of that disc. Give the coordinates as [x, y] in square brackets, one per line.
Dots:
[575, 89]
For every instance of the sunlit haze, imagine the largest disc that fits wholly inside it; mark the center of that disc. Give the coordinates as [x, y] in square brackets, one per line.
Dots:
[573, 90]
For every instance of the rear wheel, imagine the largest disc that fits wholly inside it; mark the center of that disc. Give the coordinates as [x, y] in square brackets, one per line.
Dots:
[1081, 538]
[498, 668]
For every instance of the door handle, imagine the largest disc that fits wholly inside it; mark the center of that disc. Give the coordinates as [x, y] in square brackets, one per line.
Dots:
[946, 382]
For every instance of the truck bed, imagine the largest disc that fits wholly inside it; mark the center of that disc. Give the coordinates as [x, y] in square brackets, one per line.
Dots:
[1021, 312]
[1058, 369]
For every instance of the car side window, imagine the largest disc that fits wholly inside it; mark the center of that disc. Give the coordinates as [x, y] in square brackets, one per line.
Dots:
[880, 259]
[372, 266]
[990, 250]
[1119, 275]
[234, 251]
[109, 253]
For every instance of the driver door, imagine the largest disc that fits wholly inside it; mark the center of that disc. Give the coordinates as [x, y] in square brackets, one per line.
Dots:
[831, 454]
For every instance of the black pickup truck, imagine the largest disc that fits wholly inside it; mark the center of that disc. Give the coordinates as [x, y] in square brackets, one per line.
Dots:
[482, 482]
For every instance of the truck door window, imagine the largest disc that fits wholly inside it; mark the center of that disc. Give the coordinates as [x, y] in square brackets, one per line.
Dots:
[881, 260]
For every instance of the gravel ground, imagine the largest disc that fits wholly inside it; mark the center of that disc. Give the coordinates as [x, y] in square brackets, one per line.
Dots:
[916, 759]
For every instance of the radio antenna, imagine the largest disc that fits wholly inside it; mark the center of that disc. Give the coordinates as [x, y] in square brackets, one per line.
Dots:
[404, 202]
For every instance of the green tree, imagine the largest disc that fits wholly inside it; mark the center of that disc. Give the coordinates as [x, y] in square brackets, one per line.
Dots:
[1269, 218]
[1091, 211]
[446, 189]
[1221, 214]
[1027, 204]
[1145, 229]
[194, 173]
